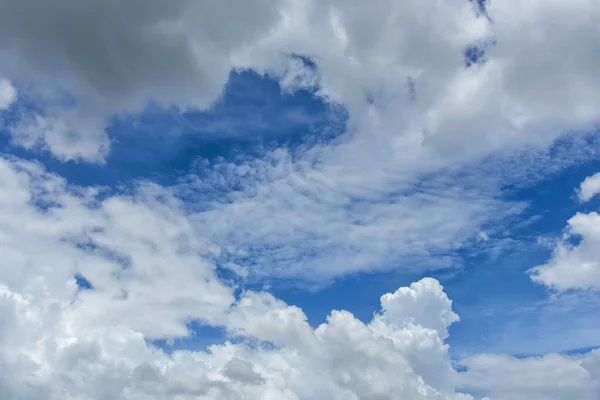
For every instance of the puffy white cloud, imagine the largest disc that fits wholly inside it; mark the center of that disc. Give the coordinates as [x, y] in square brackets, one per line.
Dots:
[66, 135]
[423, 303]
[343, 359]
[416, 319]
[8, 93]
[574, 266]
[534, 82]
[589, 188]
[149, 276]
[124, 246]
[399, 68]
[574, 263]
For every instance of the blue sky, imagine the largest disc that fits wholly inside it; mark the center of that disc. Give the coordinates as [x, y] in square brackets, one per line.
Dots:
[300, 200]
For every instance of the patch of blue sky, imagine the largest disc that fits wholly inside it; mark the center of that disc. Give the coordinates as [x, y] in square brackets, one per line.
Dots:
[476, 52]
[481, 6]
[201, 337]
[161, 144]
[474, 55]
[83, 283]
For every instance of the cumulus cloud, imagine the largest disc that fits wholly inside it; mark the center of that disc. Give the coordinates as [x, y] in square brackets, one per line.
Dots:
[589, 188]
[574, 262]
[8, 93]
[67, 135]
[124, 246]
[148, 276]
[574, 266]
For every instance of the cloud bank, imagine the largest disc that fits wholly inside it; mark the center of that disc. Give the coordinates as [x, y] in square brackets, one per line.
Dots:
[147, 276]
[398, 67]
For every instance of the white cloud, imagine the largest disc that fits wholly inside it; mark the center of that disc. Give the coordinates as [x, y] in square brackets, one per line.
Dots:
[398, 66]
[67, 136]
[150, 275]
[372, 52]
[512, 99]
[574, 266]
[574, 263]
[589, 188]
[124, 245]
[8, 93]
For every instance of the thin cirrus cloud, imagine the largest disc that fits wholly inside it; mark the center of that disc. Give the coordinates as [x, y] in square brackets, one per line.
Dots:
[431, 142]
[290, 220]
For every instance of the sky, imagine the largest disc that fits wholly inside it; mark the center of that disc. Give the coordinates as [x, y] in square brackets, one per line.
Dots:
[299, 199]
